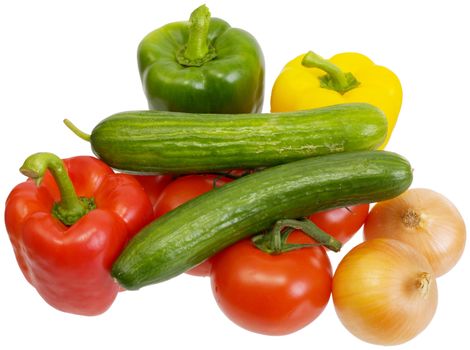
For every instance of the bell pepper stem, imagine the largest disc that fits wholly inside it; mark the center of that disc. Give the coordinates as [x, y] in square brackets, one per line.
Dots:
[335, 79]
[70, 208]
[197, 50]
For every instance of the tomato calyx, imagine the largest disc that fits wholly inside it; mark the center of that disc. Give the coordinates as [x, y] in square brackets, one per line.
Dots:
[275, 241]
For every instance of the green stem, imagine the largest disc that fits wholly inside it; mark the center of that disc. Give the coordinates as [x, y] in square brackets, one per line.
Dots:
[76, 130]
[313, 231]
[197, 50]
[274, 241]
[71, 207]
[335, 79]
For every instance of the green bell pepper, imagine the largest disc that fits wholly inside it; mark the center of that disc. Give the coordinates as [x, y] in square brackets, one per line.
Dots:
[202, 66]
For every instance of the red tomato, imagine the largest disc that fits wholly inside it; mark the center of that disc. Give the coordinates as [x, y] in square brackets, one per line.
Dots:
[181, 190]
[240, 172]
[153, 186]
[341, 223]
[184, 188]
[272, 294]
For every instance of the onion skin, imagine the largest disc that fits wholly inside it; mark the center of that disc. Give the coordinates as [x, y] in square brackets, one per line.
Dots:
[384, 292]
[424, 219]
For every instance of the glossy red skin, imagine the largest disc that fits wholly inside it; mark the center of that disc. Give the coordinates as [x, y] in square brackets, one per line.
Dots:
[272, 294]
[153, 186]
[185, 188]
[70, 266]
[181, 190]
[341, 223]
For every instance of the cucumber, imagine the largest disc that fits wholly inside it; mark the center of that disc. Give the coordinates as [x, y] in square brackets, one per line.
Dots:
[191, 233]
[171, 142]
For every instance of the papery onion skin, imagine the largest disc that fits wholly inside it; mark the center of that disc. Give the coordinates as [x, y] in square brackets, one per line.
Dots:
[384, 292]
[424, 219]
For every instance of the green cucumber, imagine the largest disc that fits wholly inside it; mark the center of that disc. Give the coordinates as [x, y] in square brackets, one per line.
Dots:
[191, 233]
[171, 142]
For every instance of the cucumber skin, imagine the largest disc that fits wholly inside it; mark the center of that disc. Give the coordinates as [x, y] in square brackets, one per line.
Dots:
[198, 229]
[171, 142]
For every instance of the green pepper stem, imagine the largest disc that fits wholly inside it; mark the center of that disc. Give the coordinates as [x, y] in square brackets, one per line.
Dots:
[71, 207]
[77, 131]
[335, 79]
[197, 50]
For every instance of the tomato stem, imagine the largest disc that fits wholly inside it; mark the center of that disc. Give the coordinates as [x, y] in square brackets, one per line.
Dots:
[275, 241]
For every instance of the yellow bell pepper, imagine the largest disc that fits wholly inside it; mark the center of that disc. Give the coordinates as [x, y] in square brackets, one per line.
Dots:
[310, 81]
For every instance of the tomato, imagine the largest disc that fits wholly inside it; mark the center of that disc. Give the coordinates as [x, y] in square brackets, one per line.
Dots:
[181, 190]
[341, 223]
[184, 188]
[240, 172]
[153, 186]
[272, 294]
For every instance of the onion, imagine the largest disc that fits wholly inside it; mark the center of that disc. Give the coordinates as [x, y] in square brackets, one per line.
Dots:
[384, 292]
[424, 219]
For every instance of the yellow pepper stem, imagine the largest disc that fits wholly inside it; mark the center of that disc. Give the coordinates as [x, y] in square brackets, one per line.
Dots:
[335, 79]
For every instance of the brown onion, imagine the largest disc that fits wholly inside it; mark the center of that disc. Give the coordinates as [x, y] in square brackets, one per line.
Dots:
[384, 292]
[424, 219]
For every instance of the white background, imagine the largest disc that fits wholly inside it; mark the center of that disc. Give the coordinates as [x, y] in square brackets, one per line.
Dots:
[77, 60]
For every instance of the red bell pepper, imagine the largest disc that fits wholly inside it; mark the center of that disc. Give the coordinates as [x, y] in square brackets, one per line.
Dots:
[68, 223]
